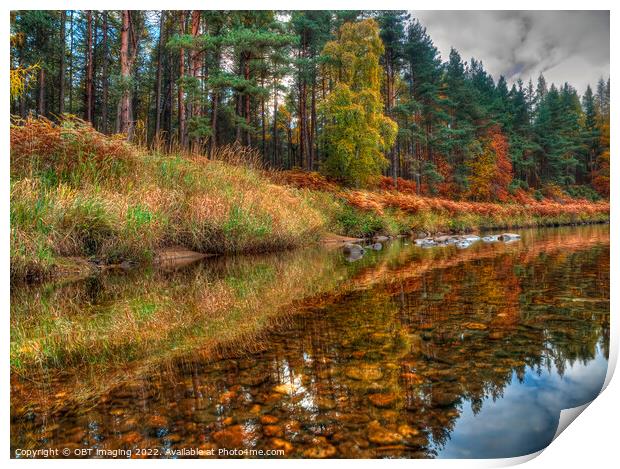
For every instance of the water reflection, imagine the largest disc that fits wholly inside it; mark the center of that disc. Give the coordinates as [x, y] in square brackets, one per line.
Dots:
[405, 353]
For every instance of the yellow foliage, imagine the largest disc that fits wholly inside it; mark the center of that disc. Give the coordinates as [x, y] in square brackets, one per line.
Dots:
[357, 131]
[21, 79]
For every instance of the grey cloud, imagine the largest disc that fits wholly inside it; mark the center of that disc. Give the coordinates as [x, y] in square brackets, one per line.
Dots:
[568, 46]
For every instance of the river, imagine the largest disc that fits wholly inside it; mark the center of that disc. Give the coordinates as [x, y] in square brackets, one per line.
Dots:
[408, 352]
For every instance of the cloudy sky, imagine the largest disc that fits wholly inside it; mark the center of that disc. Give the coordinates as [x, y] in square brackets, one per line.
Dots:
[568, 46]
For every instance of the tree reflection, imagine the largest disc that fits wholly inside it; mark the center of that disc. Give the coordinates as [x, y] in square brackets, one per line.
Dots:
[382, 366]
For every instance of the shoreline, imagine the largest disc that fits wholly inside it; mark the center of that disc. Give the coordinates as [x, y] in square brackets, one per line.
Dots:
[124, 205]
[174, 257]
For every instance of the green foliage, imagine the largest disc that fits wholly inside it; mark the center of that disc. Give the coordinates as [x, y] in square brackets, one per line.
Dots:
[138, 216]
[357, 223]
[357, 133]
[244, 224]
[88, 223]
[431, 176]
[583, 192]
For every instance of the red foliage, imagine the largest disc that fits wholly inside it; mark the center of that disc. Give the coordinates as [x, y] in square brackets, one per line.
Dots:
[405, 186]
[525, 205]
[492, 169]
[304, 180]
[503, 165]
[406, 199]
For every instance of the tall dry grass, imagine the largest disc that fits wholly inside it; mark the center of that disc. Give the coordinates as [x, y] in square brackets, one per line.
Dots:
[76, 192]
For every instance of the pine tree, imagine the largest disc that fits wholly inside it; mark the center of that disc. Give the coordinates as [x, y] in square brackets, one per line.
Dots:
[591, 135]
[423, 74]
[392, 32]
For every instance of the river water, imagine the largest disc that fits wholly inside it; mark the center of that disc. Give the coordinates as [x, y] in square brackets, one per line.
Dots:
[408, 352]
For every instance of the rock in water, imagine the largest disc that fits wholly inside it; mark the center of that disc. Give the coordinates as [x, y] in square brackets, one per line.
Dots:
[425, 242]
[231, 437]
[509, 236]
[349, 248]
[382, 436]
[364, 372]
[382, 400]
[321, 451]
[353, 252]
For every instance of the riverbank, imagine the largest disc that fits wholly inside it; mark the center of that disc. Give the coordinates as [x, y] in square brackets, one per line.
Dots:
[76, 193]
[81, 202]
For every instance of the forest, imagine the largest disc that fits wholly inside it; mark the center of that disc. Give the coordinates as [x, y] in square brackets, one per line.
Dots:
[352, 94]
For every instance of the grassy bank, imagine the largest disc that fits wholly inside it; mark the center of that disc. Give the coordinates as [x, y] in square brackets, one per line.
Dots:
[78, 194]
[75, 192]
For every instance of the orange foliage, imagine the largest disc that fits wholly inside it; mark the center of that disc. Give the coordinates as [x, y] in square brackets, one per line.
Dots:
[406, 199]
[304, 180]
[61, 147]
[492, 170]
[404, 185]
[600, 181]
[522, 205]
[555, 193]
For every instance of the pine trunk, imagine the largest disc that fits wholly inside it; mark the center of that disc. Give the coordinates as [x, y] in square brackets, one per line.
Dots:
[124, 112]
[247, 103]
[275, 124]
[313, 128]
[61, 77]
[42, 91]
[88, 101]
[158, 79]
[71, 66]
[181, 99]
[105, 77]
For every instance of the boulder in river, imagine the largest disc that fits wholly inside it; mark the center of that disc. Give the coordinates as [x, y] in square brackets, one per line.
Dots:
[490, 238]
[380, 239]
[382, 400]
[350, 248]
[425, 242]
[364, 372]
[353, 252]
[382, 436]
[509, 236]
